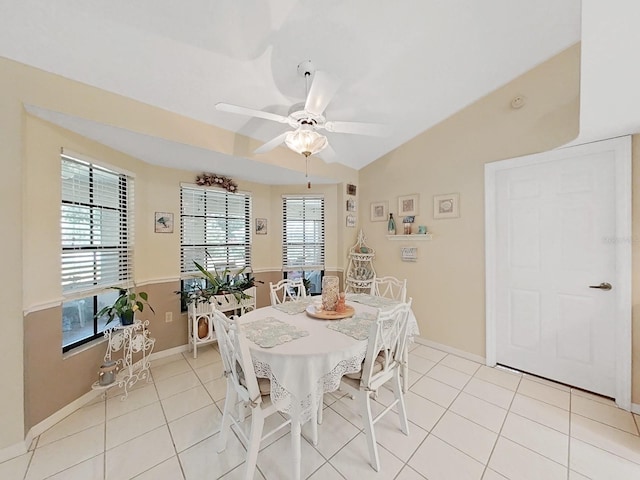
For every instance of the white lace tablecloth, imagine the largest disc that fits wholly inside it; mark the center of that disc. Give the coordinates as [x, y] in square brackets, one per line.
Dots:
[305, 368]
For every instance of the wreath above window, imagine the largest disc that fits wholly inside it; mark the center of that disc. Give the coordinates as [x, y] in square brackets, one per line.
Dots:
[214, 180]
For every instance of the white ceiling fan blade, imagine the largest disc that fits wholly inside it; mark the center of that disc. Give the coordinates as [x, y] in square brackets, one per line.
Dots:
[359, 128]
[226, 107]
[322, 90]
[271, 144]
[328, 154]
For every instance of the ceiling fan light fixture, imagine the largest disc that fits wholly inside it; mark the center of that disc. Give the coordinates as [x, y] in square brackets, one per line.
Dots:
[306, 141]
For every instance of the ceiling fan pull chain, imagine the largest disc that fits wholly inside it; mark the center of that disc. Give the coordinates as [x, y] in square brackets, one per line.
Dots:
[306, 172]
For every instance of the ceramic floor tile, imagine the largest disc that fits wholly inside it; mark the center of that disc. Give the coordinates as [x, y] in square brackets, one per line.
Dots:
[414, 377]
[206, 355]
[437, 460]
[334, 433]
[133, 424]
[137, 399]
[429, 353]
[348, 409]
[167, 370]
[390, 436]
[408, 473]
[449, 376]
[541, 412]
[492, 475]
[548, 383]
[573, 475]
[461, 364]
[545, 393]
[353, 461]
[421, 411]
[326, 472]
[15, 467]
[217, 388]
[611, 439]
[608, 414]
[238, 474]
[92, 468]
[81, 419]
[596, 464]
[502, 378]
[66, 452]
[139, 454]
[168, 470]
[185, 402]
[543, 440]
[419, 364]
[517, 462]
[483, 413]
[203, 460]
[435, 391]
[593, 396]
[466, 436]
[195, 427]
[176, 384]
[489, 392]
[175, 357]
[275, 460]
[208, 373]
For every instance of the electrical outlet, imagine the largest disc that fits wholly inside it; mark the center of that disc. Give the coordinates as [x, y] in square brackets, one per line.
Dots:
[168, 317]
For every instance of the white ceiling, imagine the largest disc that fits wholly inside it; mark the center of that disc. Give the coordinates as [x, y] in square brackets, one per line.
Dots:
[409, 63]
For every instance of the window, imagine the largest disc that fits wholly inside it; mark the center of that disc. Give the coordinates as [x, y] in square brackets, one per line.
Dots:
[96, 224]
[303, 238]
[215, 229]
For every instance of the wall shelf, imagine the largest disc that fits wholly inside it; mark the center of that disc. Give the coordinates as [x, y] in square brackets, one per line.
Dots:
[414, 236]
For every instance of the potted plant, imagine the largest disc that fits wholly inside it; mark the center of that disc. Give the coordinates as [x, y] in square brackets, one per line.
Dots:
[125, 306]
[221, 286]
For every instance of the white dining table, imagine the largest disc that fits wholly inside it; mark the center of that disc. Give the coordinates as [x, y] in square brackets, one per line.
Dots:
[303, 369]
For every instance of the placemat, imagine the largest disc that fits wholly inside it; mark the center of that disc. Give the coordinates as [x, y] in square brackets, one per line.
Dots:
[372, 300]
[356, 327]
[292, 308]
[270, 332]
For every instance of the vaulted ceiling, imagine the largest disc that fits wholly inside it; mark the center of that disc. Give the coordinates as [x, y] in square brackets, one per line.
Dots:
[407, 64]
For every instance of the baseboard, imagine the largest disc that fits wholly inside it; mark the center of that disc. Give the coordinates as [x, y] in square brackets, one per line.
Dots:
[168, 352]
[448, 349]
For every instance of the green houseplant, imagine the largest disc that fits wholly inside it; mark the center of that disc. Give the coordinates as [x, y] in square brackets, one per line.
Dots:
[125, 306]
[218, 285]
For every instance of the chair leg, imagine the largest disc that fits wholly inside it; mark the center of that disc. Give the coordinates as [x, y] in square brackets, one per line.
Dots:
[405, 371]
[367, 418]
[225, 426]
[402, 410]
[295, 446]
[320, 411]
[257, 423]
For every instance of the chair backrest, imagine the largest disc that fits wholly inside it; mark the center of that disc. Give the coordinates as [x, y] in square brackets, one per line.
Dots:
[386, 347]
[287, 290]
[236, 358]
[390, 287]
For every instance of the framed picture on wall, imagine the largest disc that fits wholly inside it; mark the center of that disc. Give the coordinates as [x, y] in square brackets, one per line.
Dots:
[351, 221]
[163, 222]
[446, 206]
[261, 226]
[351, 189]
[408, 205]
[379, 211]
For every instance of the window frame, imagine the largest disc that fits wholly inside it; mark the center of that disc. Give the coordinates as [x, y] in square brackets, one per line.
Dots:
[312, 225]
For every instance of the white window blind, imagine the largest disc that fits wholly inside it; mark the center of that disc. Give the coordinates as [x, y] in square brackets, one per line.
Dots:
[215, 229]
[96, 224]
[302, 232]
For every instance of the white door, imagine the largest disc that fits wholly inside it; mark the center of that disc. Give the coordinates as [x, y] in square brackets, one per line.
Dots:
[560, 294]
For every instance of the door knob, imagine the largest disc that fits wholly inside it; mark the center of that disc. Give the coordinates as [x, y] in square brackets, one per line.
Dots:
[602, 286]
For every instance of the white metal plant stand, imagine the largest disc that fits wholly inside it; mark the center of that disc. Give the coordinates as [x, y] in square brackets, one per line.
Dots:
[360, 271]
[129, 346]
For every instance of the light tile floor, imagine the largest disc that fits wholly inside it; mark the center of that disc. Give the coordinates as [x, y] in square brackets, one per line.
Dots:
[468, 421]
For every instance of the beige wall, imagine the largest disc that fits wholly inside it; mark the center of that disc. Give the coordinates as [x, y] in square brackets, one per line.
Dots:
[447, 281]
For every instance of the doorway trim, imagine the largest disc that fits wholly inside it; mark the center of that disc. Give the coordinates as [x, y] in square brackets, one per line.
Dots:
[622, 148]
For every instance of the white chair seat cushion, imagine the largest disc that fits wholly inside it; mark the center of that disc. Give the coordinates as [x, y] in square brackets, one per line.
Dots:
[377, 367]
[264, 384]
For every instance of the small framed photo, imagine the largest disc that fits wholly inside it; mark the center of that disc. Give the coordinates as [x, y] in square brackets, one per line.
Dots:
[351, 205]
[351, 221]
[379, 211]
[261, 226]
[351, 189]
[446, 206]
[408, 205]
[163, 222]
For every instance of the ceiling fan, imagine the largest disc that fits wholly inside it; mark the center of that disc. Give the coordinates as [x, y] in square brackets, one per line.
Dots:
[308, 117]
